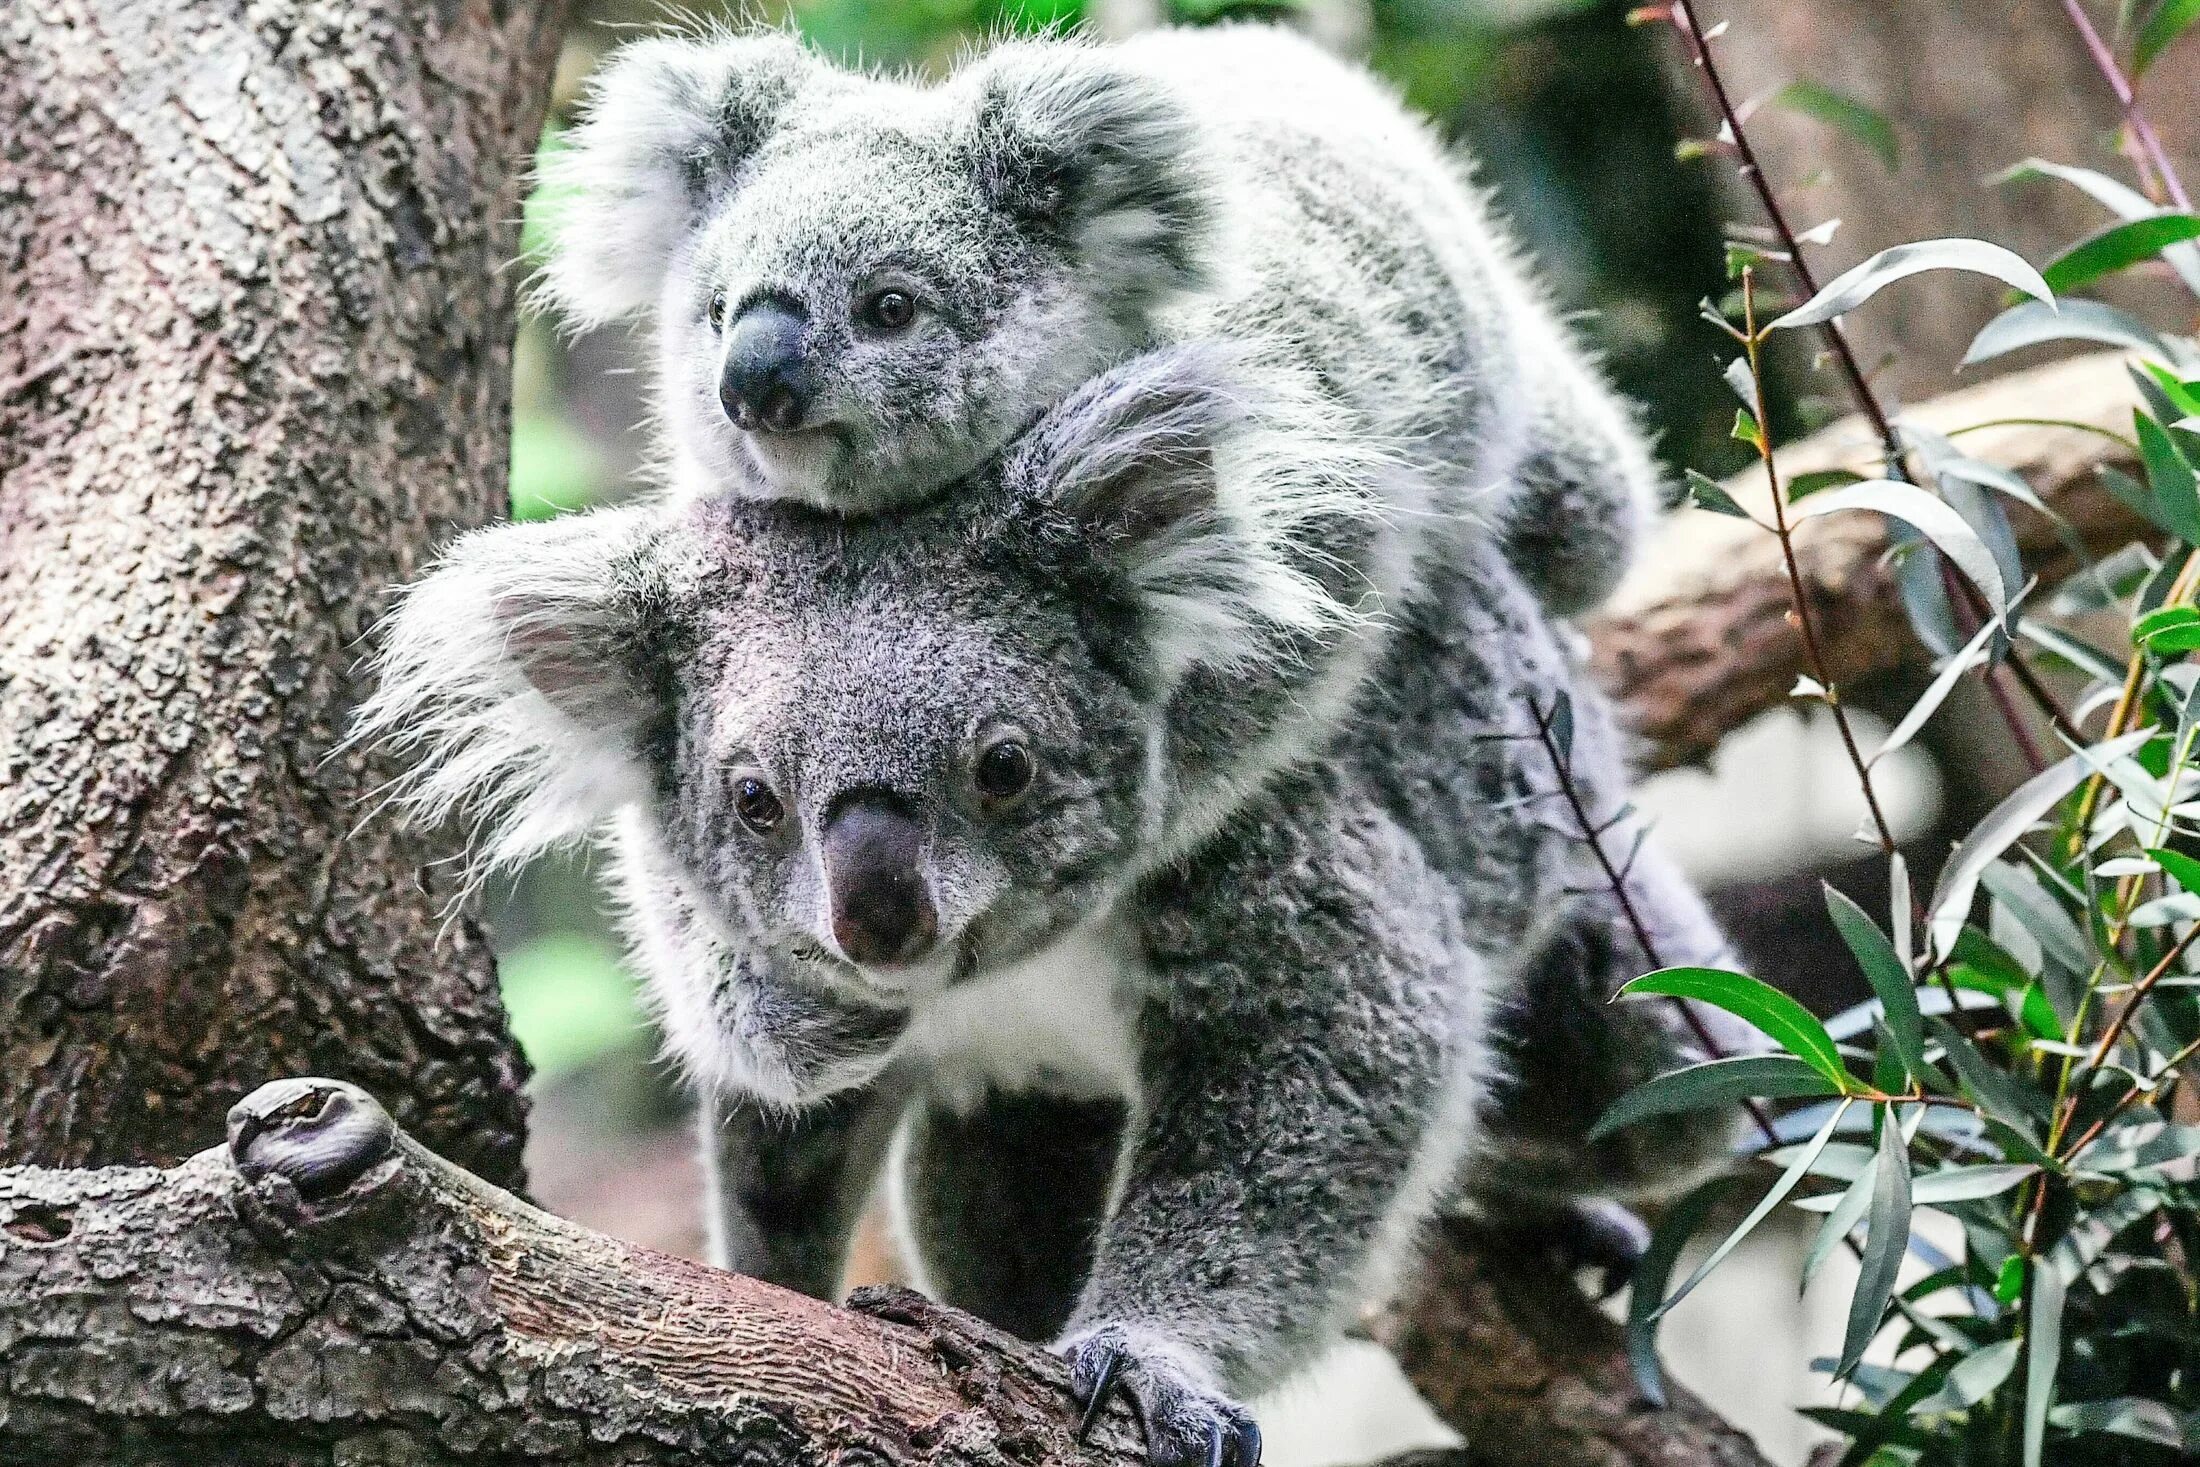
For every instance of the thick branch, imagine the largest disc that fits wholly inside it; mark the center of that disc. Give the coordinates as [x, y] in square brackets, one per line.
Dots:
[1700, 638]
[322, 1288]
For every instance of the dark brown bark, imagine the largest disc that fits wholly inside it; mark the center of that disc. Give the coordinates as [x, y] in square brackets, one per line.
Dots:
[253, 364]
[1700, 639]
[321, 1289]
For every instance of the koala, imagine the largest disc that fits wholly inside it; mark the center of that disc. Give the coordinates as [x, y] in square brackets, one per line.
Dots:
[984, 844]
[861, 288]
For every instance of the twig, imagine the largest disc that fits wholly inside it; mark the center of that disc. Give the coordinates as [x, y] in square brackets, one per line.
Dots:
[2127, 98]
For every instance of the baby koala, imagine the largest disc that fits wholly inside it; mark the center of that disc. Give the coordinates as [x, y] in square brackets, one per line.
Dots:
[863, 287]
[986, 828]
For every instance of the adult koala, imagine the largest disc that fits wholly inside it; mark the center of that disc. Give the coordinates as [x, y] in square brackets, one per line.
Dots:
[862, 287]
[992, 823]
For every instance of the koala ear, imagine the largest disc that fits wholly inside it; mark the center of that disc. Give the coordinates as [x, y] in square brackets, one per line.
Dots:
[1073, 143]
[511, 677]
[666, 122]
[1212, 480]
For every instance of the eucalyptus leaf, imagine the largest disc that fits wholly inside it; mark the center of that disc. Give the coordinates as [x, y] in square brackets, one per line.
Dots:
[1710, 1084]
[2118, 247]
[2043, 1359]
[1886, 1242]
[2002, 827]
[2169, 21]
[1865, 124]
[2035, 323]
[1765, 1205]
[1972, 1379]
[2119, 199]
[1646, 1295]
[1850, 289]
[2128, 1416]
[1931, 517]
[1889, 978]
[1757, 1003]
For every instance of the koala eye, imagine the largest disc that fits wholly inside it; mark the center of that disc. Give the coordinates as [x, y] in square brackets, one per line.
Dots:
[890, 310]
[715, 312]
[757, 806]
[1004, 768]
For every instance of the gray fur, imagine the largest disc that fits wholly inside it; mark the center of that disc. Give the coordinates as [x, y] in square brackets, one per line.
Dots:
[1291, 946]
[1055, 205]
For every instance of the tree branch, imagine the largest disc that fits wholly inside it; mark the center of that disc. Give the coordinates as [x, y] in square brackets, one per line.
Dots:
[1700, 639]
[323, 1288]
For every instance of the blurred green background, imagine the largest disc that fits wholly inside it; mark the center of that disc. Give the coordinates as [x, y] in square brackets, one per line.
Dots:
[1565, 109]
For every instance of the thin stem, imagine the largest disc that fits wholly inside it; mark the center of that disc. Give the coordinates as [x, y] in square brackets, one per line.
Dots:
[1784, 530]
[1844, 356]
[2139, 992]
[1562, 765]
[2127, 98]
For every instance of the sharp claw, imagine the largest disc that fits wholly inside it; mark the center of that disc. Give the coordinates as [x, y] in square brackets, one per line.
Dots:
[1215, 1440]
[1103, 1384]
[1248, 1445]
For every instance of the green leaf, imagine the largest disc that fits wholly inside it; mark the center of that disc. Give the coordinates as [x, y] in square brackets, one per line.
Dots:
[1817, 479]
[2035, 323]
[2127, 1416]
[1966, 1183]
[2118, 247]
[2013, 1104]
[2119, 199]
[1837, 109]
[1647, 1294]
[1850, 289]
[1790, 1025]
[1840, 1221]
[1931, 517]
[2043, 1359]
[1889, 980]
[1705, 493]
[2001, 828]
[1746, 431]
[2182, 869]
[1762, 1210]
[1711, 1084]
[2164, 619]
[1886, 1242]
[2171, 478]
[1972, 1379]
[2169, 22]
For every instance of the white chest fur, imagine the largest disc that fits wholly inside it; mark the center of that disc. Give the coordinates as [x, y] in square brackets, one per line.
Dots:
[1062, 1021]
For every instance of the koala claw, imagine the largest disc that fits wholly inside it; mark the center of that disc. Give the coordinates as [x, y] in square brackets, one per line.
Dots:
[1605, 1236]
[1186, 1425]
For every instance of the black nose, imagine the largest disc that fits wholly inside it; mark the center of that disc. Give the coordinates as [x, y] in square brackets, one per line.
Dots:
[882, 914]
[766, 383]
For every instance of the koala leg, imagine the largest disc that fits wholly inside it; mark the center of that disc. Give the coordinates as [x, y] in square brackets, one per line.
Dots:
[1003, 1204]
[1567, 1053]
[1306, 1057]
[783, 1190]
[1583, 494]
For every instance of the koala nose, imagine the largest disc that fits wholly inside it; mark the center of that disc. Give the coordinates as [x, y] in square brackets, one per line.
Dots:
[882, 914]
[766, 382]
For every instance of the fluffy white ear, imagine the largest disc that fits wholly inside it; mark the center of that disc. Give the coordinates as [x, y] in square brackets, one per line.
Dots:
[666, 123]
[1219, 478]
[1074, 143]
[513, 679]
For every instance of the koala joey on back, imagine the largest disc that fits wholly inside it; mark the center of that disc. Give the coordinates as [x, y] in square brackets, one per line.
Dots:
[861, 287]
[935, 837]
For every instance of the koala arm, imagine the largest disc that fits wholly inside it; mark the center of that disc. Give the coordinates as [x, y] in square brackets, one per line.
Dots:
[1307, 1051]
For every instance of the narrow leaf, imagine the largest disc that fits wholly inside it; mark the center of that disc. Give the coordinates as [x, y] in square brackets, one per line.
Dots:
[1958, 884]
[1972, 654]
[1850, 289]
[1710, 1084]
[2118, 247]
[2035, 323]
[1886, 1242]
[1889, 979]
[2119, 199]
[2171, 478]
[1929, 516]
[1706, 493]
[2043, 1359]
[1840, 1221]
[1647, 1293]
[1762, 1210]
[2130, 1416]
[2169, 22]
[1837, 109]
[1790, 1025]
[1972, 1380]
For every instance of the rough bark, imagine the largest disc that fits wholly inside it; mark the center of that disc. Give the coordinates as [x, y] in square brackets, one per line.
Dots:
[1972, 87]
[1699, 639]
[253, 364]
[322, 1289]
[1518, 1361]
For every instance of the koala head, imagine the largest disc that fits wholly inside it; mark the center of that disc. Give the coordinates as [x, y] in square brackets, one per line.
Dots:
[862, 288]
[899, 750]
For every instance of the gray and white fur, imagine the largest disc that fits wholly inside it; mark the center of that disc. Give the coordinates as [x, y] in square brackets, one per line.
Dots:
[1046, 210]
[1181, 1017]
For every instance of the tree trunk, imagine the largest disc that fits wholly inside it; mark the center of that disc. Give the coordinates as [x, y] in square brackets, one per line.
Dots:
[1972, 87]
[253, 365]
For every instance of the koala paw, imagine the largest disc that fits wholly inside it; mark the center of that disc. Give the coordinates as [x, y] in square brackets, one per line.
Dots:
[1589, 1233]
[1187, 1424]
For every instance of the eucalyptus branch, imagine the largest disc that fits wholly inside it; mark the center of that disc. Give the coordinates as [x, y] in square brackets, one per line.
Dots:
[1682, 14]
[2127, 99]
